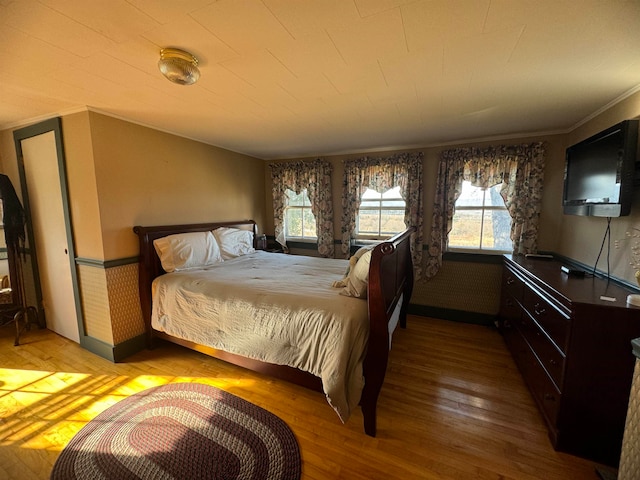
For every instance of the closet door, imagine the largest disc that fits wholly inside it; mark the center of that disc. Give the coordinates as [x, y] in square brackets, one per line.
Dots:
[43, 174]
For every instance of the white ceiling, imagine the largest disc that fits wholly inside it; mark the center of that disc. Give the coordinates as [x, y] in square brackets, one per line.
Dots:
[289, 78]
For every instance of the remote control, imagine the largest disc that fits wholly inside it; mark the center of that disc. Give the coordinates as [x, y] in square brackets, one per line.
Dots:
[537, 255]
[572, 271]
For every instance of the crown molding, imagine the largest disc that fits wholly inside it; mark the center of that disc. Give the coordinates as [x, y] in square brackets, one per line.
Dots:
[461, 141]
[606, 107]
[42, 118]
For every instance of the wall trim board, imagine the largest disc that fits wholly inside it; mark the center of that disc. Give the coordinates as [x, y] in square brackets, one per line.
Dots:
[97, 347]
[461, 316]
[598, 273]
[114, 353]
[118, 262]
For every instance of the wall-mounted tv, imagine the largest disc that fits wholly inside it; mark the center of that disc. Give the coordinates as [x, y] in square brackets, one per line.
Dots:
[600, 172]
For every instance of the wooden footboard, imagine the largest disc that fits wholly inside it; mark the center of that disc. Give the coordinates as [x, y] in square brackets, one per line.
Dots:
[389, 292]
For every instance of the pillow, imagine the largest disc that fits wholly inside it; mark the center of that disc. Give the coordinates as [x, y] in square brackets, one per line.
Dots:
[356, 256]
[357, 281]
[234, 242]
[352, 263]
[183, 251]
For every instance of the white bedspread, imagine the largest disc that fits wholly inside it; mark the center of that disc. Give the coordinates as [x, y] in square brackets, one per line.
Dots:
[275, 308]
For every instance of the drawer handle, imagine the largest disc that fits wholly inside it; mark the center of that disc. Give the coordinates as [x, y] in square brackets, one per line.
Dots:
[549, 397]
[553, 362]
[539, 310]
[510, 281]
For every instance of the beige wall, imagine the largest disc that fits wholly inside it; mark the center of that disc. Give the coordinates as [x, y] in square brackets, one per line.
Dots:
[80, 176]
[81, 182]
[147, 177]
[120, 175]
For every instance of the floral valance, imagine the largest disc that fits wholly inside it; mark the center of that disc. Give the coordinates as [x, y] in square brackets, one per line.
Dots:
[520, 171]
[315, 176]
[402, 170]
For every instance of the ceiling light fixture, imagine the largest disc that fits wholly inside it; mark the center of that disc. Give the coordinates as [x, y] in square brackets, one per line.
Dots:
[179, 66]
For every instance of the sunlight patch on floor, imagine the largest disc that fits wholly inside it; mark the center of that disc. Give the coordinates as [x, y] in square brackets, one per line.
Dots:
[44, 409]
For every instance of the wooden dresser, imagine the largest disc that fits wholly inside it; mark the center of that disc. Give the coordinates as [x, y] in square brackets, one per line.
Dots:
[573, 350]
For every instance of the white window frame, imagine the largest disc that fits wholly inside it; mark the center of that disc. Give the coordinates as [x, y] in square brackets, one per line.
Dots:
[303, 207]
[380, 208]
[482, 208]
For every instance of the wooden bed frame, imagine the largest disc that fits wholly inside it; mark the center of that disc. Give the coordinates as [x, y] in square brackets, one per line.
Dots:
[390, 288]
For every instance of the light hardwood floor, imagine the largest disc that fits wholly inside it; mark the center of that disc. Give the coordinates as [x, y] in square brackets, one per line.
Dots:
[453, 407]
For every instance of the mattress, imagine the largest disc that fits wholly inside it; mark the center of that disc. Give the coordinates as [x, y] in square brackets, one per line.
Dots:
[275, 308]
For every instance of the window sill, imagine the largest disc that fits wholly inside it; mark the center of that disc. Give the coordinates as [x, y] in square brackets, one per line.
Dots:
[475, 251]
[302, 244]
[302, 240]
[473, 257]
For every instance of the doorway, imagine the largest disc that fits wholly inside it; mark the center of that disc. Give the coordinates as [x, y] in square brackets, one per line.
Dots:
[41, 165]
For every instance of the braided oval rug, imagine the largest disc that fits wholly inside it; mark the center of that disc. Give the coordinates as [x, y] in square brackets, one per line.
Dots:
[181, 431]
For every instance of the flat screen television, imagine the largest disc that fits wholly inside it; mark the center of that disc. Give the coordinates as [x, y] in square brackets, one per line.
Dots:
[600, 172]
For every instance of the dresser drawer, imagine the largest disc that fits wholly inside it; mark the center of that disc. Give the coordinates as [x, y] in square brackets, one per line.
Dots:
[510, 311]
[512, 284]
[550, 357]
[543, 389]
[546, 395]
[550, 319]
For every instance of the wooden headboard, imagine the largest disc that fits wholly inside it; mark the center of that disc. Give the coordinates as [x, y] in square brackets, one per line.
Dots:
[150, 266]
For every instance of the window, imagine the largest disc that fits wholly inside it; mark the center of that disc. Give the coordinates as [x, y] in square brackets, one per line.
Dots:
[481, 221]
[299, 221]
[380, 215]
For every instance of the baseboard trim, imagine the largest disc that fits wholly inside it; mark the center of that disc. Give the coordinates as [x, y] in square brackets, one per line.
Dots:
[98, 347]
[114, 353]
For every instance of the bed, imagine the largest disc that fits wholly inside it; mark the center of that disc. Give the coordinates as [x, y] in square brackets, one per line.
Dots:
[289, 290]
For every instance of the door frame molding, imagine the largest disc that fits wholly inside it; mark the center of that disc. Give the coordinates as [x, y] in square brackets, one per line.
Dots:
[52, 125]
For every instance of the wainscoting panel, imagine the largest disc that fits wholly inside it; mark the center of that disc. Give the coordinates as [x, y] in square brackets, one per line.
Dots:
[110, 301]
[462, 286]
[126, 315]
[95, 303]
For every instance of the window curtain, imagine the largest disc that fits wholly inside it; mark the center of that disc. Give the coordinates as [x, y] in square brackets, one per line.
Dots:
[315, 176]
[520, 170]
[402, 170]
